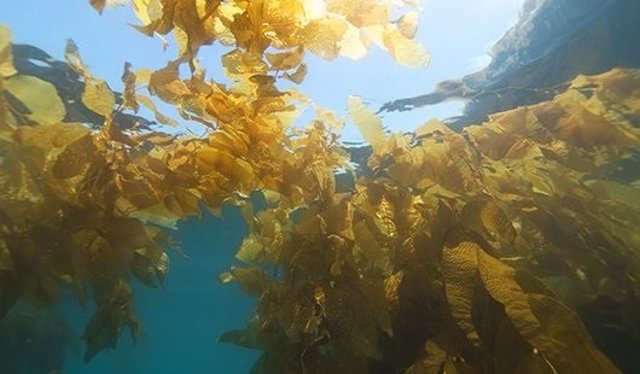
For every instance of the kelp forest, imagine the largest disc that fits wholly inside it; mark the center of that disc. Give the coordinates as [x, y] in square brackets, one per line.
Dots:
[442, 251]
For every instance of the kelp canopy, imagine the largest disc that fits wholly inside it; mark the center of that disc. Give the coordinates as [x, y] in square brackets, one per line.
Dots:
[460, 253]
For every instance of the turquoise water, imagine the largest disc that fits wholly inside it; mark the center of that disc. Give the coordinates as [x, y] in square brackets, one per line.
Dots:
[181, 321]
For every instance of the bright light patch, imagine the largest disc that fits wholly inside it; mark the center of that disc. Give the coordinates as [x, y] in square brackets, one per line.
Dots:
[116, 3]
[315, 9]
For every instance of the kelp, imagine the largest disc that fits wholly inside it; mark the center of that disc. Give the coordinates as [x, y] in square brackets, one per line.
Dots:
[88, 207]
[437, 260]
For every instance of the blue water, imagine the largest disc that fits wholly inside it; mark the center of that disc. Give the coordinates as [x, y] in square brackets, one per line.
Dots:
[182, 321]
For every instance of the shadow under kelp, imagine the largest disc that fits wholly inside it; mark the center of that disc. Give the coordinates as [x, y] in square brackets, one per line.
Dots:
[34, 341]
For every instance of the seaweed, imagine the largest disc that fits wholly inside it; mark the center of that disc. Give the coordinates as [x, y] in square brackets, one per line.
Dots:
[439, 259]
[442, 258]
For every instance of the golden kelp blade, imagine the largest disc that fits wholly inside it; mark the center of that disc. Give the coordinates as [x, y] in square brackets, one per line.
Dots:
[129, 96]
[322, 37]
[147, 10]
[298, 75]
[408, 24]
[460, 265]
[361, 12]
[99, 5]
[72, 55]
[405, 50]
[97, 95]
[40, 98]
[355, 43]
[368, 123]
[6, 56]
[149, 104]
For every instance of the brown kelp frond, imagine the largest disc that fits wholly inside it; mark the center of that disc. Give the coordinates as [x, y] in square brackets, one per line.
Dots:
[448, 256]
[88, 207]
